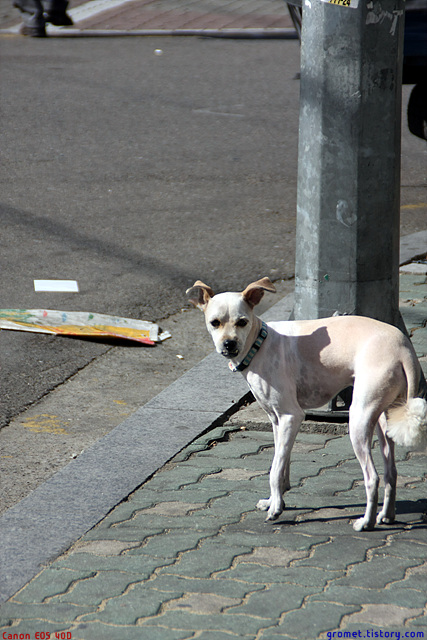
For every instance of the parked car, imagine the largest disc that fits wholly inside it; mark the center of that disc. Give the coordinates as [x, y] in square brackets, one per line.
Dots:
[414, 60]
[415, 65]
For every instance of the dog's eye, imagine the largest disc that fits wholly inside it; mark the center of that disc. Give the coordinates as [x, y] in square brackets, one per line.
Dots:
[242, 322]
[215, 323]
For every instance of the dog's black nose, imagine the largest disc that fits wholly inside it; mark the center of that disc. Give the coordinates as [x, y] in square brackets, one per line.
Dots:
[230, 346]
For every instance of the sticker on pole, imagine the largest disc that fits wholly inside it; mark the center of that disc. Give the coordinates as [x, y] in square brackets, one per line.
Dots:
[353, 4]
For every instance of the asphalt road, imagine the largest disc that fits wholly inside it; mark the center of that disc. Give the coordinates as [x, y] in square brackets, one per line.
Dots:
[135, 174]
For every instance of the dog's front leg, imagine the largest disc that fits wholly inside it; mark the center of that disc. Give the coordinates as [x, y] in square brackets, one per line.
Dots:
[285, 429]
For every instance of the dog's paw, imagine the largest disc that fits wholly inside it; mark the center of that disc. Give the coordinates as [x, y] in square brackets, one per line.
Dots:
[273, 514]
[263, 505]
[384, 518]
[274, 511]
[363, 524]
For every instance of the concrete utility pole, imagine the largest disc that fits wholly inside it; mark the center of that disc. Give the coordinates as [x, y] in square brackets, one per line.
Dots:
[347, 248]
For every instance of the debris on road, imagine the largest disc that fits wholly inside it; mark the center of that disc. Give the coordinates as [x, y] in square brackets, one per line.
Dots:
[68, 286]
[82, 324]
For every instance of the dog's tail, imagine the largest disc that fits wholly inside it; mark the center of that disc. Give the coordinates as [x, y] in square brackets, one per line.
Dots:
[407, 422]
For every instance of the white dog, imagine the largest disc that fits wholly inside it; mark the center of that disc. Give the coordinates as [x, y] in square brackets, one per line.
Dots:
[293, 366]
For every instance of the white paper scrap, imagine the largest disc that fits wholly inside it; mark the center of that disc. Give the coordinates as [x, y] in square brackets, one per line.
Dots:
[69, 286]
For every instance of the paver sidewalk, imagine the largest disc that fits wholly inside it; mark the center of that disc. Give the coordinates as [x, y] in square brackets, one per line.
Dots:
[187, 555]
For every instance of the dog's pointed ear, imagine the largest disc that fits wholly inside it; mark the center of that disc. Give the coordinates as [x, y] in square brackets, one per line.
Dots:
[200, 294]
[254, 291]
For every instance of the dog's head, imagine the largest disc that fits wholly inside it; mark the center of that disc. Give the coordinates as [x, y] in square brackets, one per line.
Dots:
[230, 316]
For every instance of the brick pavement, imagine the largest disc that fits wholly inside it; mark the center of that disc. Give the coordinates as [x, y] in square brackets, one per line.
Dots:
[191, 14]
[170, 16]
[188, 556]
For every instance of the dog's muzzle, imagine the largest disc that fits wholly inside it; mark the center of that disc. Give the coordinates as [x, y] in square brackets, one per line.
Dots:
[229, 349]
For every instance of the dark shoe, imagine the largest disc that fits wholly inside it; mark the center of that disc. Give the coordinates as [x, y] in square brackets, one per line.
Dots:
[58, 18]
[34, 32]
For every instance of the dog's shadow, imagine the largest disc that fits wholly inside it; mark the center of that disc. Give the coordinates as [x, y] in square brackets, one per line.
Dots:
[410, 514]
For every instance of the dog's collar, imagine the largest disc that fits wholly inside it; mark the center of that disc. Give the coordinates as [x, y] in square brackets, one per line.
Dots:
[252, 351]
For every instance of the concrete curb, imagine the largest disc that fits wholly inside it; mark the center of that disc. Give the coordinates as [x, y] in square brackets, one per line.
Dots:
[242, 33]
[413, 247]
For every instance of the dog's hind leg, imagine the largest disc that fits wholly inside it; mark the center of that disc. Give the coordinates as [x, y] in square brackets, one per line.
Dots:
[388, 512]
[361, 427]
[285, 429]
